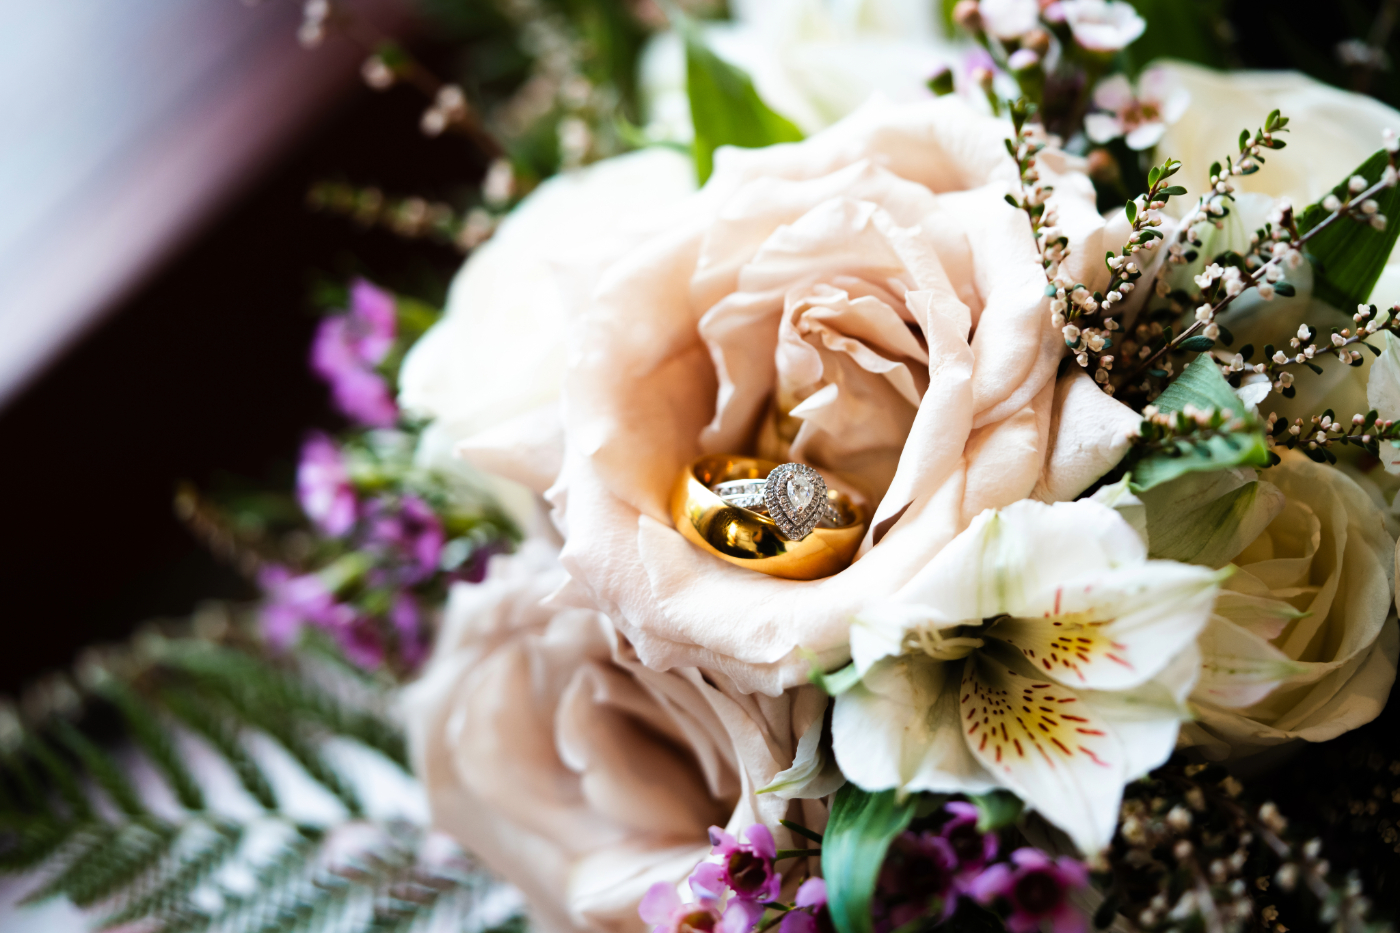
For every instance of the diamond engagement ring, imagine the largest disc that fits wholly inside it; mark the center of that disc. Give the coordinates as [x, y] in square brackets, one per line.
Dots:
[777, 519]
[793, 495]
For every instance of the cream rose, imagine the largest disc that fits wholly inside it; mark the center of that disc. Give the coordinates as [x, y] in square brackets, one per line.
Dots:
[866, 301]
[1303, 643]
[575, 772]
[495, 361]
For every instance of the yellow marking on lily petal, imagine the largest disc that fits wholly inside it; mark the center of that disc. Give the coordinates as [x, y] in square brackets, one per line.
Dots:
[1063, 645]
[1010, 720]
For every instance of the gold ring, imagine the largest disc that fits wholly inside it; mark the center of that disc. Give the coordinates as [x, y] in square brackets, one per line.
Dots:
[747, 539]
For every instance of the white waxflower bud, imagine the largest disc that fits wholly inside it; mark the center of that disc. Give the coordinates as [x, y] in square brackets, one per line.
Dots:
[1390, 140]
[1369, 206]
[1331, 203]
[1280, 357]
[1071, 334]
[1304, 332]
[1285, 380]
[1057, 319]
[1115, 295]
[1388, 176]
[1266, 291]
[1212, 330]
[1096, 342]
[1378, 221]
[1204, 313]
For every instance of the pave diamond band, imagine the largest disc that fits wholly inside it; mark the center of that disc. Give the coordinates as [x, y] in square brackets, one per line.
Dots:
[765, 533]
[793, 495]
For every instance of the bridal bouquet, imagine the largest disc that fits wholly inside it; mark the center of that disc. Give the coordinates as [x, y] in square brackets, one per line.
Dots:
[901, 508]
[918, 475]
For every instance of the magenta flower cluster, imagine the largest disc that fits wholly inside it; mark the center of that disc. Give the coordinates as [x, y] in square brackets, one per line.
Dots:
[935, 870]
[746, 872]
[396, 544]
[349, 346]
[925, 873]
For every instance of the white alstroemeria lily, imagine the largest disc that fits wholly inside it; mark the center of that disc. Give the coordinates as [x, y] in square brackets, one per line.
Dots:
[1040, 651]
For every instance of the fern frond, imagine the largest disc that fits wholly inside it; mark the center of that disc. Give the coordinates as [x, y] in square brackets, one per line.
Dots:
[179, 873]
[154, 739]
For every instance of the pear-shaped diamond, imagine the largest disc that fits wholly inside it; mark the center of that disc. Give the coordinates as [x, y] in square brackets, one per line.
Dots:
[800, 491]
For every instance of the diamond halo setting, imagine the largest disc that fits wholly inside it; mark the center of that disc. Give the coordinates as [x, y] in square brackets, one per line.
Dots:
[796, 498]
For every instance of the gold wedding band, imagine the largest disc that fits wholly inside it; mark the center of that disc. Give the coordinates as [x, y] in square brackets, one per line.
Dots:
[747, 539]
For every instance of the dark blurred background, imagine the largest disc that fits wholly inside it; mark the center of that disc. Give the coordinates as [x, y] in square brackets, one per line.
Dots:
[199, 373]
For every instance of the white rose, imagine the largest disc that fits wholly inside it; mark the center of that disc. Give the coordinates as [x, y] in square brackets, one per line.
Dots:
[579, 775]
[813, 61]
[1309, 610]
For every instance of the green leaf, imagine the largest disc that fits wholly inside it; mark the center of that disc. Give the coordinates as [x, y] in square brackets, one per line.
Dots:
[1348, 256]
[1199, 384]
[1245, 448]
[724, 107]
[1198, 343]
[858, 834]
[996, 809]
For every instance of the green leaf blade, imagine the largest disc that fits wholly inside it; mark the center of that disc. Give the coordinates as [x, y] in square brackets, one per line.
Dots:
[860, 830]
[724, 107]
[1348, 256]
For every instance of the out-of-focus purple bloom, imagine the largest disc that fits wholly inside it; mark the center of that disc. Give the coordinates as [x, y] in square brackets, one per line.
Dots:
[473, 569]
[663, 909]
[346, 349]
[414, 531]
[358, 391]
[293, 601]
[408, 624]
[323, 486]
[812, 915]
[372, 322]
[1037, 889]
[748, 866]
[359, 638]
[972, 848]
[920, 870]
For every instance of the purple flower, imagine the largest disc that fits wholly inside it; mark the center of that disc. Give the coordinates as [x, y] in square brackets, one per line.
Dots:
[414, 531]
[812, 914]
[323, 486]
[408, 625]
[372, 322]
[293, 601]
[359, 638]
[1037, 889]
[663, 909]
[359, 392]
[346, 349]
[920, 870]
[748, 866]
[972, 848]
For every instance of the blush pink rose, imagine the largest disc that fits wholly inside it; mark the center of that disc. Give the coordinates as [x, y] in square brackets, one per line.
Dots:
[864, 301]
[577, 773]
